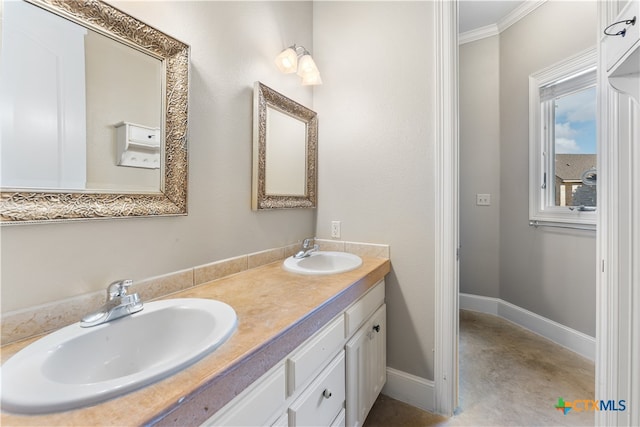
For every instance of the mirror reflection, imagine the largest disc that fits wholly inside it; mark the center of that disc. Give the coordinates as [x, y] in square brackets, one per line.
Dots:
[134, 116]
[67, 88]
[286, 152]
[285, 144]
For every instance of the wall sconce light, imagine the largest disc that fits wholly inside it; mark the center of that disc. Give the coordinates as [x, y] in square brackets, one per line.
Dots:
[298, 59]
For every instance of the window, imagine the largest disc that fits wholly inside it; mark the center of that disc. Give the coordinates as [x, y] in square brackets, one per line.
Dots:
[562, 143]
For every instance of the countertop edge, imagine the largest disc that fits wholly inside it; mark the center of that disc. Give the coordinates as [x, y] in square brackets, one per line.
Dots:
[202, 403]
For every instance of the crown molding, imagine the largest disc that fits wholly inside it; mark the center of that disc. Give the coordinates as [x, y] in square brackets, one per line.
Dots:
[494, 29]
[518, 13]
[478, 34]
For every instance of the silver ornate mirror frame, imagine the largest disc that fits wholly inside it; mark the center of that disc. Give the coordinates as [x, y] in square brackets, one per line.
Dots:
[34, 206]
[266, 97]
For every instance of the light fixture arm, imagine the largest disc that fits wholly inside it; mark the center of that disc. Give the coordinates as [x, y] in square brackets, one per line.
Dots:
[296, 49]
[298, 59]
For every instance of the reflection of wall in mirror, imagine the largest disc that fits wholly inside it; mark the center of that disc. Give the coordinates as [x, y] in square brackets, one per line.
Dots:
[42, 128]
[285, 159]
[123, 84]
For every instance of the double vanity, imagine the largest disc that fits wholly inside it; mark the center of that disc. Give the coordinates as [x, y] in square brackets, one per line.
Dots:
[305, 347]
[295, 343]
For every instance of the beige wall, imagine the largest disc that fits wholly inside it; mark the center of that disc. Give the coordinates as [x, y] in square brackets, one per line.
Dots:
[479, 78]
[376, 153]
[376, 158]
[549, 271]
[123, 85]
[232, 44]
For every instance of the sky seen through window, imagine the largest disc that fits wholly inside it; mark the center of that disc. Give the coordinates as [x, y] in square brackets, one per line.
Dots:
[575, 122]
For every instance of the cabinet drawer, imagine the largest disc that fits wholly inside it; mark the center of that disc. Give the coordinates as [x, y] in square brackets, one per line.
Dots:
[322, 401]
[257, 405]
[362, 309]
[314, 354]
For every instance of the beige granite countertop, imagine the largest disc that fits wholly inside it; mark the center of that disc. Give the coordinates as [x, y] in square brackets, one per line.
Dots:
[277, 311]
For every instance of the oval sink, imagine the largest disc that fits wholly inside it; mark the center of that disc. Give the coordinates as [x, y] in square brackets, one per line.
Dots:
[323, 262]
[76, 367]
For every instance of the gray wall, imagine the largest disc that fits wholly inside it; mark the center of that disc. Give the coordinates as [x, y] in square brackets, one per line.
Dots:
[376, 158]
[376, 154]
[479, 79]
[232, 44]
[549, 271]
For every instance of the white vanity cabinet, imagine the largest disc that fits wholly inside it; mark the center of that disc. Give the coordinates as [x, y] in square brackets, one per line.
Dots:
[332, 379]
[257, 405]
[323, 400]
[366, 354]
[367, 365]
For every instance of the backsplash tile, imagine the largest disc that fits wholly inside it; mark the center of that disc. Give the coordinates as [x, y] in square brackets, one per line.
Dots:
[292, 249]
[215, 270]
[156, 287]
[362, 249]
[368, 249]
[257, 259]
[33, 321]
[20, 324]
[331, 245]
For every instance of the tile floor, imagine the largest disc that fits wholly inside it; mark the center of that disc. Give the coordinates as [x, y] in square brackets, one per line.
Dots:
[508, 377]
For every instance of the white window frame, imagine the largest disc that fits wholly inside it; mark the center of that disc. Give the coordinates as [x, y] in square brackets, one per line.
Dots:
[542, 209]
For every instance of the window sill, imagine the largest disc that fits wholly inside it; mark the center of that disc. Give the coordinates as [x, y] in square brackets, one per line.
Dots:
[567, 223]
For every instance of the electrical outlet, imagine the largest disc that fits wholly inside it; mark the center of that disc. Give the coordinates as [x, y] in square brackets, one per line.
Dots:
[335, 229]
[483, 199]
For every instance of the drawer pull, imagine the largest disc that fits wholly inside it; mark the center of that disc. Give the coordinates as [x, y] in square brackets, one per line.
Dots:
[622, 32]
[326, 393]
[376, 328]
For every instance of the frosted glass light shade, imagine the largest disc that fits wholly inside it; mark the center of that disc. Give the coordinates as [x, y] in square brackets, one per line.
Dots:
[287, 61]
[311, 79]
[306, 66]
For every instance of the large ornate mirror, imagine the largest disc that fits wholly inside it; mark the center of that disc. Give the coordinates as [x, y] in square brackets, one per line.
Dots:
[98, 123]
[285, 146]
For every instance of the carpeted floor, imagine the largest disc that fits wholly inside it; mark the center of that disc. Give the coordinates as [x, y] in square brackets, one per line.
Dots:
[508, 377]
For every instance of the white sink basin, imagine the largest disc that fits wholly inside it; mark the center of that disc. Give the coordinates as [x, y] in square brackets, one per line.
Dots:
[323, 262]
[76, 367]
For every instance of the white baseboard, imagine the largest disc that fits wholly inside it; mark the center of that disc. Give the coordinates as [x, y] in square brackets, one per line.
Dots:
[420, 392]
[410, 389]
[574, 340]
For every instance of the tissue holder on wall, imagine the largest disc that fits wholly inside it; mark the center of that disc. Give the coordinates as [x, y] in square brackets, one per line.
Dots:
[138, 146]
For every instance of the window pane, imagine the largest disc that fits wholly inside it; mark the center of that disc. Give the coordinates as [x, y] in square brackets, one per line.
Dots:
[575, 148]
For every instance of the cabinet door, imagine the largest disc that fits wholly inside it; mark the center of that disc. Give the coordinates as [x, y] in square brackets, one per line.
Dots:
[356, 379]
[377, 353]
[366, 354]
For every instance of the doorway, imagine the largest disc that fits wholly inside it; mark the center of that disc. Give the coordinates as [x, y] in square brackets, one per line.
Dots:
[533, 262]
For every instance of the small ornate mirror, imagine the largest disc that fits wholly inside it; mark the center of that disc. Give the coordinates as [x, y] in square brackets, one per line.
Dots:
[285, 150]
[121, 150]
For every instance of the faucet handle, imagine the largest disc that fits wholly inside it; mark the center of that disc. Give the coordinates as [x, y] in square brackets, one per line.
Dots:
[118, 289]
[308, 243]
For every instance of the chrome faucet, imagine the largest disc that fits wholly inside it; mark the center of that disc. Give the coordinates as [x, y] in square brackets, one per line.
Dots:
[118, 304]
[308, 246]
